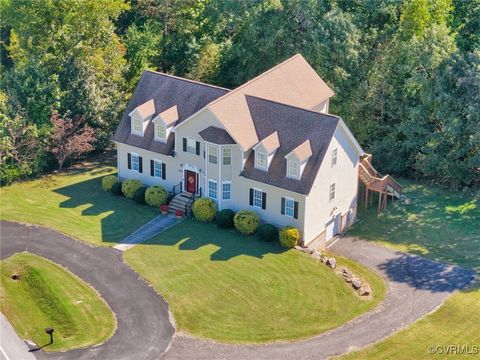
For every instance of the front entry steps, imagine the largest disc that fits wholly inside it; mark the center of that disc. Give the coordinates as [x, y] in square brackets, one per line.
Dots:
[180, 201]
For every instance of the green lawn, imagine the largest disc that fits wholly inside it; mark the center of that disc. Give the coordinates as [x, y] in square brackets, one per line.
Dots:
[49, 296]
[455, 323]
[231, 288]
[74, 203]
[438, 224]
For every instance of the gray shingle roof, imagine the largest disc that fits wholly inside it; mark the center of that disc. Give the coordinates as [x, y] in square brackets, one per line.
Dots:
[166, 91]
[294, 126]
[216, 135]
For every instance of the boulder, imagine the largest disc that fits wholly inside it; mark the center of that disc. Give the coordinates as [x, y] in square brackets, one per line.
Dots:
[316, 255]
[332, 262]
[356, 284]
[364, 291]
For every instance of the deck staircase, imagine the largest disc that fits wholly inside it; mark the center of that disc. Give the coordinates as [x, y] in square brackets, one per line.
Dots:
[384, 185]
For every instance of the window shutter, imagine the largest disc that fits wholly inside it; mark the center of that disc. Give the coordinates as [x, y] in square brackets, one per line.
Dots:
[251, 197]
[264, 200]
[129, 161]
[164, 171]
[295, 210]
[184, 144]
[197, 147]
[152, 168]
[140, 164]
[282, 210]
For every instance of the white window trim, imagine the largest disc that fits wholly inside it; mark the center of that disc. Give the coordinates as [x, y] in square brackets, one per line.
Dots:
[132, 155]
[216, 187]
[261, 198]
[230, 192]
[285, 207]
[330, 198]
[212, 147]
[161, 125]
[189, 140]
[334, 157]
[135, 132]
[160, 162]
[257, 166]
[223, 156]
[297, 176]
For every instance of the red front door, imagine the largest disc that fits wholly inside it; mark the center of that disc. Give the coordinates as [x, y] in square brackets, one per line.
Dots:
[190, 181]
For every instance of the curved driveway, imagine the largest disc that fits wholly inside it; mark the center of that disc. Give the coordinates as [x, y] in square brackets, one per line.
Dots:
[416, 286]
[143, 327]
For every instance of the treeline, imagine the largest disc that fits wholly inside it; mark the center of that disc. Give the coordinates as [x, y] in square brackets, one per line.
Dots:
[406, 73]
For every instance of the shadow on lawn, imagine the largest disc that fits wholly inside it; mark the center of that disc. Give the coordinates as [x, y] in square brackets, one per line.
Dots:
[192, 235]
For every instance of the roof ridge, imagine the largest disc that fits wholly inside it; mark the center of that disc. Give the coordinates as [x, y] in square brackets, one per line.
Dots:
[187, 80]
[293, 106]
[259, 76]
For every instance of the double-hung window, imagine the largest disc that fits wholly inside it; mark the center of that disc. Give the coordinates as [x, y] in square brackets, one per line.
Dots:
[226, 190]
[293, 169]
[334, 157]
[332, 192]
[257, 198]
[289, 207]
[191, 146]
[137, 125]
[135, 162]
[161, 132]
[227, 156]
[260, 160]
[212, 189]
[157, 168]
[212, 154]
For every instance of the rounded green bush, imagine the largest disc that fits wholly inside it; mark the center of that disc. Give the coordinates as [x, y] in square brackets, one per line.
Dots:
[246, 221]
[156, 195]
[108, 182]
[289, 236]
[129, 187]
[117, 188]
[224, 218]
[139, 195]
[204, 209]
[267, 232]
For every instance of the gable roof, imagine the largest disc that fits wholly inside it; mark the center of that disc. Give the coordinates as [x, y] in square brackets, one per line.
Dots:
[302, 152]
[145, 110]
[270, 143]
[216, 135]
[166, 91]
[169, 116]
[292, 82]
[269, 116]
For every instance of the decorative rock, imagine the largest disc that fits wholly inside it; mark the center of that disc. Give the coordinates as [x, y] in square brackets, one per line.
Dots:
[356, 284]
[298, 247]
[332, 262]
[316, 255]
[363, 291]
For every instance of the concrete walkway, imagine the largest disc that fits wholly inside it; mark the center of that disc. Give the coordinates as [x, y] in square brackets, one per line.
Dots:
[416, 286]
[147, 231]
[143, 329]
[11, 346]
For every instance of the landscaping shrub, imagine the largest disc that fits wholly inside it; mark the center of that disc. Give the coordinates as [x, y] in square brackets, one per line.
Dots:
[129, 187]
[289, 236]
[246, 221]
[108, 182]
[117, 188]
[267, 232]
[204, 209]
[139, 195]
[224, 219]
[156, 195]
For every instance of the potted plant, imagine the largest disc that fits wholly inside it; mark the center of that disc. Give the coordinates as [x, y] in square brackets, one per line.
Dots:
[179, 214]
[164, 209]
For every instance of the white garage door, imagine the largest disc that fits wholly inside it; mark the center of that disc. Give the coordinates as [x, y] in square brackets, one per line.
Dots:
[332, 228]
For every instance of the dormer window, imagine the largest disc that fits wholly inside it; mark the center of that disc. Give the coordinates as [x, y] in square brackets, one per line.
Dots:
[260, 160]
[160, 132]
[137, 125]
[140, 116]
[164, 123]
[293, 169]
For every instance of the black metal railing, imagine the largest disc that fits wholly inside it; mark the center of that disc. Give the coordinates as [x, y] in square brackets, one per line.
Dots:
[177, 189]
[188, 205]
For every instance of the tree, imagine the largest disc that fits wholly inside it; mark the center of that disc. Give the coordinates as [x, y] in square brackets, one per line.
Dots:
[70, 138]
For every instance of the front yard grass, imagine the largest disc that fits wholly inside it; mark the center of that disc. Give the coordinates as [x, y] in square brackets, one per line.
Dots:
[74, 203]
[233, 288]
[455, 323]
[438, 224]
[46, 295]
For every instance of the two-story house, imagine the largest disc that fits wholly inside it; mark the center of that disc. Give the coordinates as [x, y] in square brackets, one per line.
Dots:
[269, 146]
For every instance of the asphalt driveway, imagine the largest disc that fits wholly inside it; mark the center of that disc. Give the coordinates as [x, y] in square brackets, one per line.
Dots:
[143, 327]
